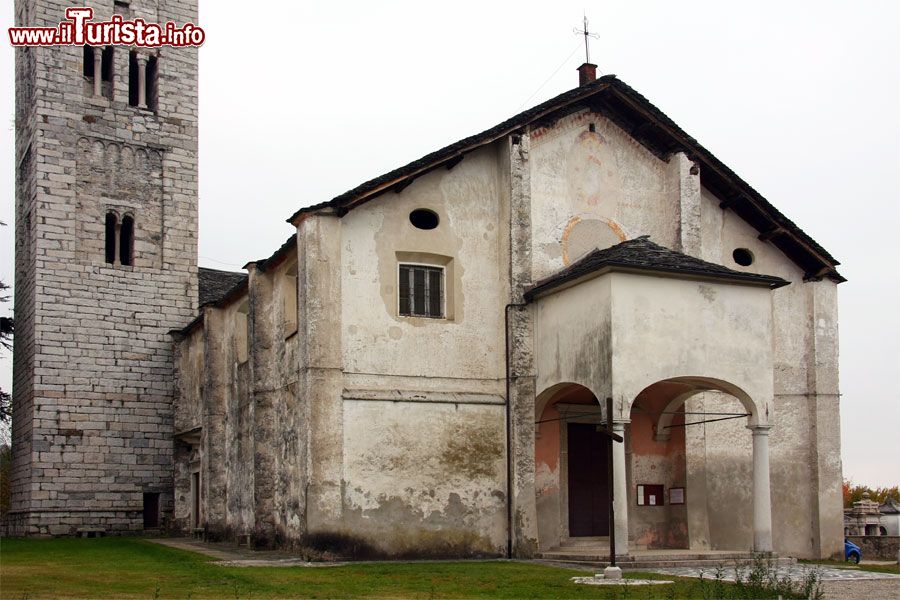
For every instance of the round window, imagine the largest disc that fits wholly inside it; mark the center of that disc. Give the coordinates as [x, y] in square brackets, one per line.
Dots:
[742, 256]
[422, 218]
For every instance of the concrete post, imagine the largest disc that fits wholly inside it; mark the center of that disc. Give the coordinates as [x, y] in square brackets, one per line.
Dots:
[98, 70]
[142, 80]
[620, 499]
[762, 498]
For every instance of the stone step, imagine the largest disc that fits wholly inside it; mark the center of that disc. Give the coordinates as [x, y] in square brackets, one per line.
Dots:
[593, 541]
[659, 561]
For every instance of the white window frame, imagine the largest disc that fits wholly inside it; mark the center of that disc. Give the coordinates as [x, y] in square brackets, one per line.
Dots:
[443, 270]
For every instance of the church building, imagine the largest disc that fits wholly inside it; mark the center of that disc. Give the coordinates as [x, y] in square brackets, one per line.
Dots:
[423, 368]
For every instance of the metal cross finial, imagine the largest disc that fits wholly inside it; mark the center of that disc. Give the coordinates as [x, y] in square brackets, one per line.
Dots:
[587, 34]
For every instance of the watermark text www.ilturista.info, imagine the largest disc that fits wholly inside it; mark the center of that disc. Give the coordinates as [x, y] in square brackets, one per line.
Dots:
[79, 29]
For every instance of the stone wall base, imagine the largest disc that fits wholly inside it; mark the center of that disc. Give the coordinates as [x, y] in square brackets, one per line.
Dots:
[73, 523]
[877, 547]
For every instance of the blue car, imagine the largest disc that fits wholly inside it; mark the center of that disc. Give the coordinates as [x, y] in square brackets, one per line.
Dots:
[852, 552]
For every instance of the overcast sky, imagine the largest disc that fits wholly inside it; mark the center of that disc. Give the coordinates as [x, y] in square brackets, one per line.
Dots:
[301, 102]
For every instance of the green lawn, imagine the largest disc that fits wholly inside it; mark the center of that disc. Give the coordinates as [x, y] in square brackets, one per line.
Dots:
[848, 565]
[135, 568]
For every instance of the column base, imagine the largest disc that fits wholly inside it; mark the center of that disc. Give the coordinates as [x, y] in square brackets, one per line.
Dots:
[611, 573]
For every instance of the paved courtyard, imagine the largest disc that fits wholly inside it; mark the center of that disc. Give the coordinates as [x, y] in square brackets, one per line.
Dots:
[796, 572]
[836, 583]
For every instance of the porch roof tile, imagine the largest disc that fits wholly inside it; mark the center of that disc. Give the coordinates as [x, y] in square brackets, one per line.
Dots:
[640, 254]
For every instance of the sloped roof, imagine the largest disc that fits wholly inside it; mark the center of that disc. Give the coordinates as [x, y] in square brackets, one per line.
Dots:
[614, 99]
[640, 254]
[214, 285]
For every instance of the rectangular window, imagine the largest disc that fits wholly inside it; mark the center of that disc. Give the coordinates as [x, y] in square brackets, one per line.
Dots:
[421, 291]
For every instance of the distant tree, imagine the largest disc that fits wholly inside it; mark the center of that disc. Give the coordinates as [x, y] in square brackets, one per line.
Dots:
[854, 493]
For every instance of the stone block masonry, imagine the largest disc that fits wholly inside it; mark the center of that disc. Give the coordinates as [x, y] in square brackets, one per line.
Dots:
[93, 366]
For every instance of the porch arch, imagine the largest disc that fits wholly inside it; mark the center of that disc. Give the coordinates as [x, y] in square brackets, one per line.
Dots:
[682, 388]
[699, 385]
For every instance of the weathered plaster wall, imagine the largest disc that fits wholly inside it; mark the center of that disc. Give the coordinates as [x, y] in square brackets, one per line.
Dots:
[253, 471]
[805, 439]
[190, 353]
[426, 363]
[379, 235]
[573, 337]
[592, 189]
[424, 478]
[227, 475]
[279, 471]
[650, 461]
[664, 328]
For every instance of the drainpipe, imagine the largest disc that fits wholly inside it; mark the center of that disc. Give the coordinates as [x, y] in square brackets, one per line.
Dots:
[509, 510]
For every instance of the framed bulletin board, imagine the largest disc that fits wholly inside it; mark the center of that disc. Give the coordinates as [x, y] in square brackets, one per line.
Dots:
[676, 495]
[650, 494]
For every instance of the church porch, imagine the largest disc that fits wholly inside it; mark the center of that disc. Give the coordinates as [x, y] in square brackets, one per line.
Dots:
[669, 351]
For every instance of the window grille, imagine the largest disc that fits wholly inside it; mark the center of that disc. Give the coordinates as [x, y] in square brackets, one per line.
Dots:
[421, 291]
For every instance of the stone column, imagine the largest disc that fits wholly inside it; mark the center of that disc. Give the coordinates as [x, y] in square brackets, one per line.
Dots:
[142, 80]
[620, 485]
[98, 70]
[762, 499]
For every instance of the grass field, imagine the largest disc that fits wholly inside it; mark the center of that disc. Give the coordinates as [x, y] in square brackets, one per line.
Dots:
[135, 568]
[895, 569]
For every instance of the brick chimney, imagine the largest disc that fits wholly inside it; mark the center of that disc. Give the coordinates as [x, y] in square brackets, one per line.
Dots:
[587, 73]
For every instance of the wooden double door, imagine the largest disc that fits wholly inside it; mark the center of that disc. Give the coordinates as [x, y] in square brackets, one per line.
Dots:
[588, 484]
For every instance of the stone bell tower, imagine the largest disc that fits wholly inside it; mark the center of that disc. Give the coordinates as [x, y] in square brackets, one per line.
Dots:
[106, 265]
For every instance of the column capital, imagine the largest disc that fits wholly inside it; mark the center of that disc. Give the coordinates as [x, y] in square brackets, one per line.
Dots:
[759, 429]
[140, 56]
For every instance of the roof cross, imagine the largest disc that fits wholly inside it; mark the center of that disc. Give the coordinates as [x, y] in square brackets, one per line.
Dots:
[587, 34]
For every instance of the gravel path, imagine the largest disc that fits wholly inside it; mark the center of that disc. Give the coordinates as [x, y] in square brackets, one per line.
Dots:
[867, 589]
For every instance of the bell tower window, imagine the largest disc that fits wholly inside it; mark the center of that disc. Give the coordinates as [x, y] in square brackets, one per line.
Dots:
[97, 68]
[119, 239]
[152, 83]
[126, 241]
[132, 79]
[88, 65]
[143, 80]
[111, 225]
